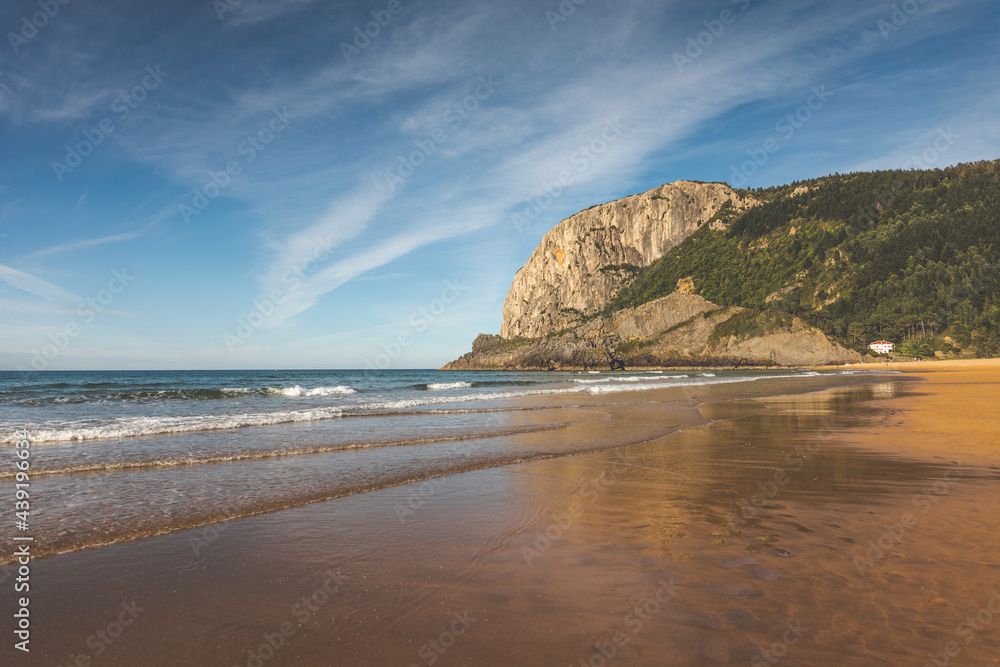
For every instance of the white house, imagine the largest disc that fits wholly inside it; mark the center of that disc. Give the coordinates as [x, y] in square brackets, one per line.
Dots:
[882, 347]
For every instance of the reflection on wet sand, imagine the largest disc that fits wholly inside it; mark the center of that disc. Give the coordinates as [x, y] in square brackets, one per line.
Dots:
[732, 542]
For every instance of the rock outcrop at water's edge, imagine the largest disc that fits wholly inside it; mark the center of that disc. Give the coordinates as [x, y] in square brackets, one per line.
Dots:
[677, 330]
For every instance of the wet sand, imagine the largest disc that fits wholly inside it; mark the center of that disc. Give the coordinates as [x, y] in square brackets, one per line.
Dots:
[853, 526]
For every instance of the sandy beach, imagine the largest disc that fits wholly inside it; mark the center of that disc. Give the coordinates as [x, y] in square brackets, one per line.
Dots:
[856, 525]
[516, 334]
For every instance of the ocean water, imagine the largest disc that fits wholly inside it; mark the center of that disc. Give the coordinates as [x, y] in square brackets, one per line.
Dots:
[118, 456]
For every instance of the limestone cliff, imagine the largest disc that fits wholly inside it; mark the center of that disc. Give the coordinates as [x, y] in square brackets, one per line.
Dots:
[552, 317]
[585, 259]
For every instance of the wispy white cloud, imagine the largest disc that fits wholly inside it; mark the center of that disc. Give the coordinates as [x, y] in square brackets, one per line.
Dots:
[90, 243]
[8, 207]
[76, 104]
[381, 276]
[37, 286]
[6, 96]
[332, 277]
[529, 141]
[250, 13]
[309, 189]
[12, 308]
[297, 255]
[79, 202]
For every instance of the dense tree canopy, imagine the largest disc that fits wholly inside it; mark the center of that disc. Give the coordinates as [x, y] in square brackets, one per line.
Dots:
[911, 256]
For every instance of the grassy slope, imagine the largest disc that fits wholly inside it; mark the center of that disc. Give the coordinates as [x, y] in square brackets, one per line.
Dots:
[911, 256]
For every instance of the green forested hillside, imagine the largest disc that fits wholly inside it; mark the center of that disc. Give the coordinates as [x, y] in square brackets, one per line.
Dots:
[910, 256]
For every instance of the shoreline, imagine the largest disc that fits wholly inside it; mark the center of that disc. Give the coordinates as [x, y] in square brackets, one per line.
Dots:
[568, 423]
[929, 364]
[561, 552]
[561, 367]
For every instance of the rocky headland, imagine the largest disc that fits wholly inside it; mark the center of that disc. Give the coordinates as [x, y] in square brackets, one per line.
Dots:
[554, 316]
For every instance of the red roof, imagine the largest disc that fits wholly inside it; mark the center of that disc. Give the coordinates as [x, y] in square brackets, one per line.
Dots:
[881, 342]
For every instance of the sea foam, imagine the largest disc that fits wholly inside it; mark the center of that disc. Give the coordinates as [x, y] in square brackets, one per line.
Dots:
[449, 385]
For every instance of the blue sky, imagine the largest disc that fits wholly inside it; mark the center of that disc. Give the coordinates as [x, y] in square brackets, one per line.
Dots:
[263, 185]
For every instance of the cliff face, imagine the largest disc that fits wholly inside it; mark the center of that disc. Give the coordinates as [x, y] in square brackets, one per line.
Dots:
[551, 315]
[584, 260]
